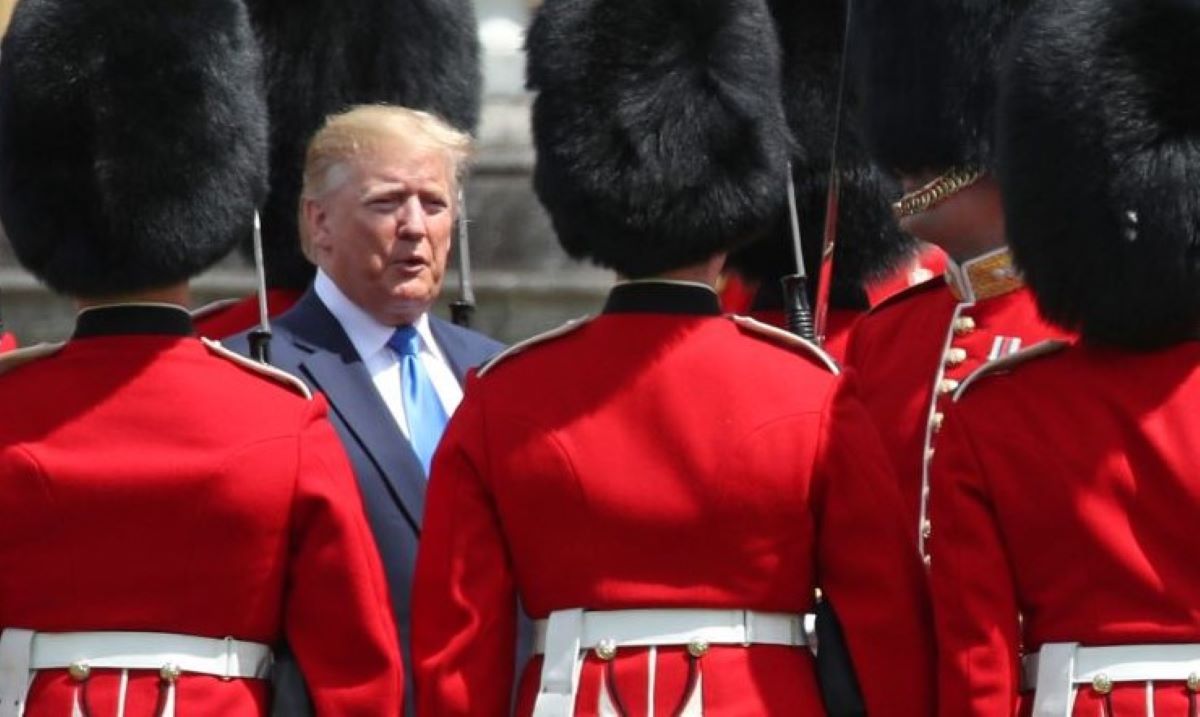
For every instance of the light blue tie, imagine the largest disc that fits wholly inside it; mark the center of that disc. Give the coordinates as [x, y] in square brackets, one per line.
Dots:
[422, 408]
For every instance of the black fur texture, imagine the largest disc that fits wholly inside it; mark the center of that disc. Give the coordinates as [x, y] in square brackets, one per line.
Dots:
[869, 243]
[325, 56]
[926, 74]
[1099, 164]
[133, 139]
[659, 128]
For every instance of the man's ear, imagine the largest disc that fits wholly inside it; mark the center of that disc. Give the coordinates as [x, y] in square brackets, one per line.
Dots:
[315, 231]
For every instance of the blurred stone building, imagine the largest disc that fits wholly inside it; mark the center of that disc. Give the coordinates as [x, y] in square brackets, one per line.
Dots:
[524, 283]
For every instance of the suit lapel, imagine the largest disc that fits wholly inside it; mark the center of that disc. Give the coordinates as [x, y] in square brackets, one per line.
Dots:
[452, 345]
[335, 369]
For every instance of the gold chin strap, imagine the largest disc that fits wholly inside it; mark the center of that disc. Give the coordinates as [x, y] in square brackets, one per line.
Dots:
[941, 188]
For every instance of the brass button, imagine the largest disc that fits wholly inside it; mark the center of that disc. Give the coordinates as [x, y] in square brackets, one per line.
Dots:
[1193, 682]
[927, 560]
[928, 457]
[606, 649]
[947, 385]
[1102, 684]
[697, 648]
[956, 356]
[938, 419]
[170, 672]
[926, 529]
[964, 325]
[79, 670]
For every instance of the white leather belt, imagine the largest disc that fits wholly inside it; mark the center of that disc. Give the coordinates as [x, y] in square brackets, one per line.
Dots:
[564, 637]
[1055, 670]
[22, 652]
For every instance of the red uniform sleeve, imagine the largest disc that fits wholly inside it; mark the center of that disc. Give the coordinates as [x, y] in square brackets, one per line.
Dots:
[338, 616]
[464, 600]
[974, 599]
[868, 566]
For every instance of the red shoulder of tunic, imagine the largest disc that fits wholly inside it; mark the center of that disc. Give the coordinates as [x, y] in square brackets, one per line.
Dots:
[20, 357]
[522, 346]
[902, 296]
[266, 370]
[1007, 363]
[798, 344]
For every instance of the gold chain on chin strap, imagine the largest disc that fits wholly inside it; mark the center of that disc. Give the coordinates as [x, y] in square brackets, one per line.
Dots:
[937, 190]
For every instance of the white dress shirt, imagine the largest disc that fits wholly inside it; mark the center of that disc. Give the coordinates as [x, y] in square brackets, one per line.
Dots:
[370, 338]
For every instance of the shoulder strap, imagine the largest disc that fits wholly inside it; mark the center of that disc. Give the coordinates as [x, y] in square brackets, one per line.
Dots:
[20, 357]
[212, 307]
[1007, 363]
[262, 369]
[542, 338]
[787, 339]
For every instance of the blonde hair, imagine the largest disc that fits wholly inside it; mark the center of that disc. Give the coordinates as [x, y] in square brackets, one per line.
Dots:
[366, 130]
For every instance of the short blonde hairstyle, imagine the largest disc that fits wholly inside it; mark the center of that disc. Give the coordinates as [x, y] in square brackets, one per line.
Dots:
[366, 130]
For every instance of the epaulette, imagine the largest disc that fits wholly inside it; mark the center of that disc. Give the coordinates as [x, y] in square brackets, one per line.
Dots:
[532, 341]
[262, 369]
[20, 357]
[788, 339]
[1007, 363]
[212, 307]
[899, 296]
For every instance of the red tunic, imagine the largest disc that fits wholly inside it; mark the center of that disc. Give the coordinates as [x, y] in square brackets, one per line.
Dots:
[222, 319]
[1068, 492]
[911, 353]
[649, 459]
[147, 484]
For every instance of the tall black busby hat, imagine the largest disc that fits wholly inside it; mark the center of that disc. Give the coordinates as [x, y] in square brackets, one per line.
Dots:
[1099, 164]
[132, 139]
[659, 127]
[326, 56]
[926, 75]
[869, 242]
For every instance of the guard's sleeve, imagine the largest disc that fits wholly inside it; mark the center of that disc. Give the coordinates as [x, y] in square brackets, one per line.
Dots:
[464, 601]
[867, 564]
[974, 598]
[338, 615]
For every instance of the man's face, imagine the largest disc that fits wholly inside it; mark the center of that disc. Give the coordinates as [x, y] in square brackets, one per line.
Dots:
[383, 234]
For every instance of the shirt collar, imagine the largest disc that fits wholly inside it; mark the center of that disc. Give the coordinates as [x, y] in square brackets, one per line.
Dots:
[984, 277]
[133, 318]
[368, 336]
[663, 296]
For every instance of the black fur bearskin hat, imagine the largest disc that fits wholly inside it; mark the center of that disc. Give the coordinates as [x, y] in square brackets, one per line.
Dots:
[1099, 165]
[133, 139]
[925, 72]
[869, 242]
[659, 128]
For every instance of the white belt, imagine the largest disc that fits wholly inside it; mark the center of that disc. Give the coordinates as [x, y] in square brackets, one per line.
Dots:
[564, 637]
[22, 652]
[1058, 667]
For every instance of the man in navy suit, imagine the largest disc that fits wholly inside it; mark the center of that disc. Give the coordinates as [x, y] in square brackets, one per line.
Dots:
[376, 217]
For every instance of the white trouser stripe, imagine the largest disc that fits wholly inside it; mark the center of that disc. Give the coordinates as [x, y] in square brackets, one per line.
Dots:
[169, 702]
[121, 690]
[651, 679]
[606, 708]
[695, 703]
